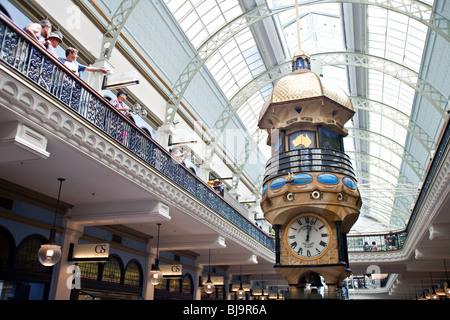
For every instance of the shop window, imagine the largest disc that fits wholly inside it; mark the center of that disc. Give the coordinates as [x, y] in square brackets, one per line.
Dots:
[89, 270]
[187, 286]
[112, 271]
[162, 285]
[174, 285]
[27, 255]
[6, 248]
[132, 274]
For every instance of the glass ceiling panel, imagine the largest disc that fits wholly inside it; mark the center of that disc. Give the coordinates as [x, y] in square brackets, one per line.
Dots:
[320, 28]
[396, 37]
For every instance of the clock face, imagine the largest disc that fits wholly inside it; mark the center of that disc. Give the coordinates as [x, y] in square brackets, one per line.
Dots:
[308, 236]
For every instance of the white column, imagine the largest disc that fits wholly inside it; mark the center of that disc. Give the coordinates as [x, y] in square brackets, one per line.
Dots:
[205, 170]
[95, 79]
[197, 287]
[164, 132]
[63, 272]
[227, 282]
[148, 292]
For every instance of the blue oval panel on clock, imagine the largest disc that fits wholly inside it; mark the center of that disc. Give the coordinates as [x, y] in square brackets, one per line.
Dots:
[264, 189]
[328, 178]
[349, 182]
[277, 183]
[301, 178]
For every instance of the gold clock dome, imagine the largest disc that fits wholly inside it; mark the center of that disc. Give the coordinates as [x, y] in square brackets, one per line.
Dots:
[304, 97]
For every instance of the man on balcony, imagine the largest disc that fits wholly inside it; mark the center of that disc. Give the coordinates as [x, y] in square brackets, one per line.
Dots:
[119, 103]
[54, 39]
[71, 62]
[39, 31]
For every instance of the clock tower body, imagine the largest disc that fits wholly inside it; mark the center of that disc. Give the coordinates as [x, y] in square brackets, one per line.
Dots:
[309, 192]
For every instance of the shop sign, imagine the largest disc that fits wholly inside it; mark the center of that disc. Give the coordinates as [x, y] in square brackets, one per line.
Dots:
[171, 270]
[89, 252]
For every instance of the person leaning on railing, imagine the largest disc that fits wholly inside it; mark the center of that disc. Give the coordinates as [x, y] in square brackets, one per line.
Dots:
[54, 39]
[119, 103]
[71, 62]
[39, 31]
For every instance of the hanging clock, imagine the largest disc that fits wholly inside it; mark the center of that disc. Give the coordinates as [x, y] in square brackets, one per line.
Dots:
[308, 236]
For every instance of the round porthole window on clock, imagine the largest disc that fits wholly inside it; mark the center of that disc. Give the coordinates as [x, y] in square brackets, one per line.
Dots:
[349, 182]
[277, 183]
[301, 178]
[328, 178]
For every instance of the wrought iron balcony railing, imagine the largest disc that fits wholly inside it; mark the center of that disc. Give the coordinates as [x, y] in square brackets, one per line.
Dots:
[25, 56]
[376, 242]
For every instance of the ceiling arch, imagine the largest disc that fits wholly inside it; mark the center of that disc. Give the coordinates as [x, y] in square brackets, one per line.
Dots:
[383, 121]
[413, 9]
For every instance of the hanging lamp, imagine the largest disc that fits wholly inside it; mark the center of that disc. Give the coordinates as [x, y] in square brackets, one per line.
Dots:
[49, 254]
[241, 292]
[156, 275]
[209, 285]
[447, 287]
[434, 295]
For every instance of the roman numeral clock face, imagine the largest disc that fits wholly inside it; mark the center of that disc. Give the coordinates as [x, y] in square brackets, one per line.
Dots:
[308, 236]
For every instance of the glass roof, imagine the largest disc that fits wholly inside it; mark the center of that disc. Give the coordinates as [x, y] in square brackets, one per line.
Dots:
[383, 102]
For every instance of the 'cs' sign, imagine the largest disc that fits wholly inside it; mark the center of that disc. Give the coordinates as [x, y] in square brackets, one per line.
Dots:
[171, 269]
[91, 251]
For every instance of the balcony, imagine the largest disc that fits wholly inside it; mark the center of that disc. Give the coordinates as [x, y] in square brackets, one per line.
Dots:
[45, 74]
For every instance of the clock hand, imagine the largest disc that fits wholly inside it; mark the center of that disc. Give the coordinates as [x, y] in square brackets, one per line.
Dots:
[308, 228]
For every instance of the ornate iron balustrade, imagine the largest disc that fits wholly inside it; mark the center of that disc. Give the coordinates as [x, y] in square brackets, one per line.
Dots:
[356, 243]
[24, 55]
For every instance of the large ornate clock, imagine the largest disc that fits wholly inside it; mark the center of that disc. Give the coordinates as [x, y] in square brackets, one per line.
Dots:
[308, 236]
[309, 190]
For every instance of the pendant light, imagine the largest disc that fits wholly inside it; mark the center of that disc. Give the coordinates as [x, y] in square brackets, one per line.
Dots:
[434, 295]
[424, 295]
[49, 254]
[263, 296]
[156, 275]
[447, 287]
[240, 293]
[209, 285]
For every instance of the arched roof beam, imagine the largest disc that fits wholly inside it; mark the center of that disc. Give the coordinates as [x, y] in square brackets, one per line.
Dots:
[369, 176]
[390, 169]
[392, 68]
[381, 211]
[361, 103]
[275, 73]
[389, 144]
[378, 162]
[412, 8]
[239, 99]
[206, 50]
[397, 116]
[115, 26]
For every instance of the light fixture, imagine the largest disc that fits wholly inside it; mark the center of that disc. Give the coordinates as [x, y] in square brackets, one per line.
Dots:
[49, 254]
[241, 292]
[447, 287]
[263, 296]
[209, 285]
[424, 295]
[155, 275]
[137, 109]
[434, 295]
